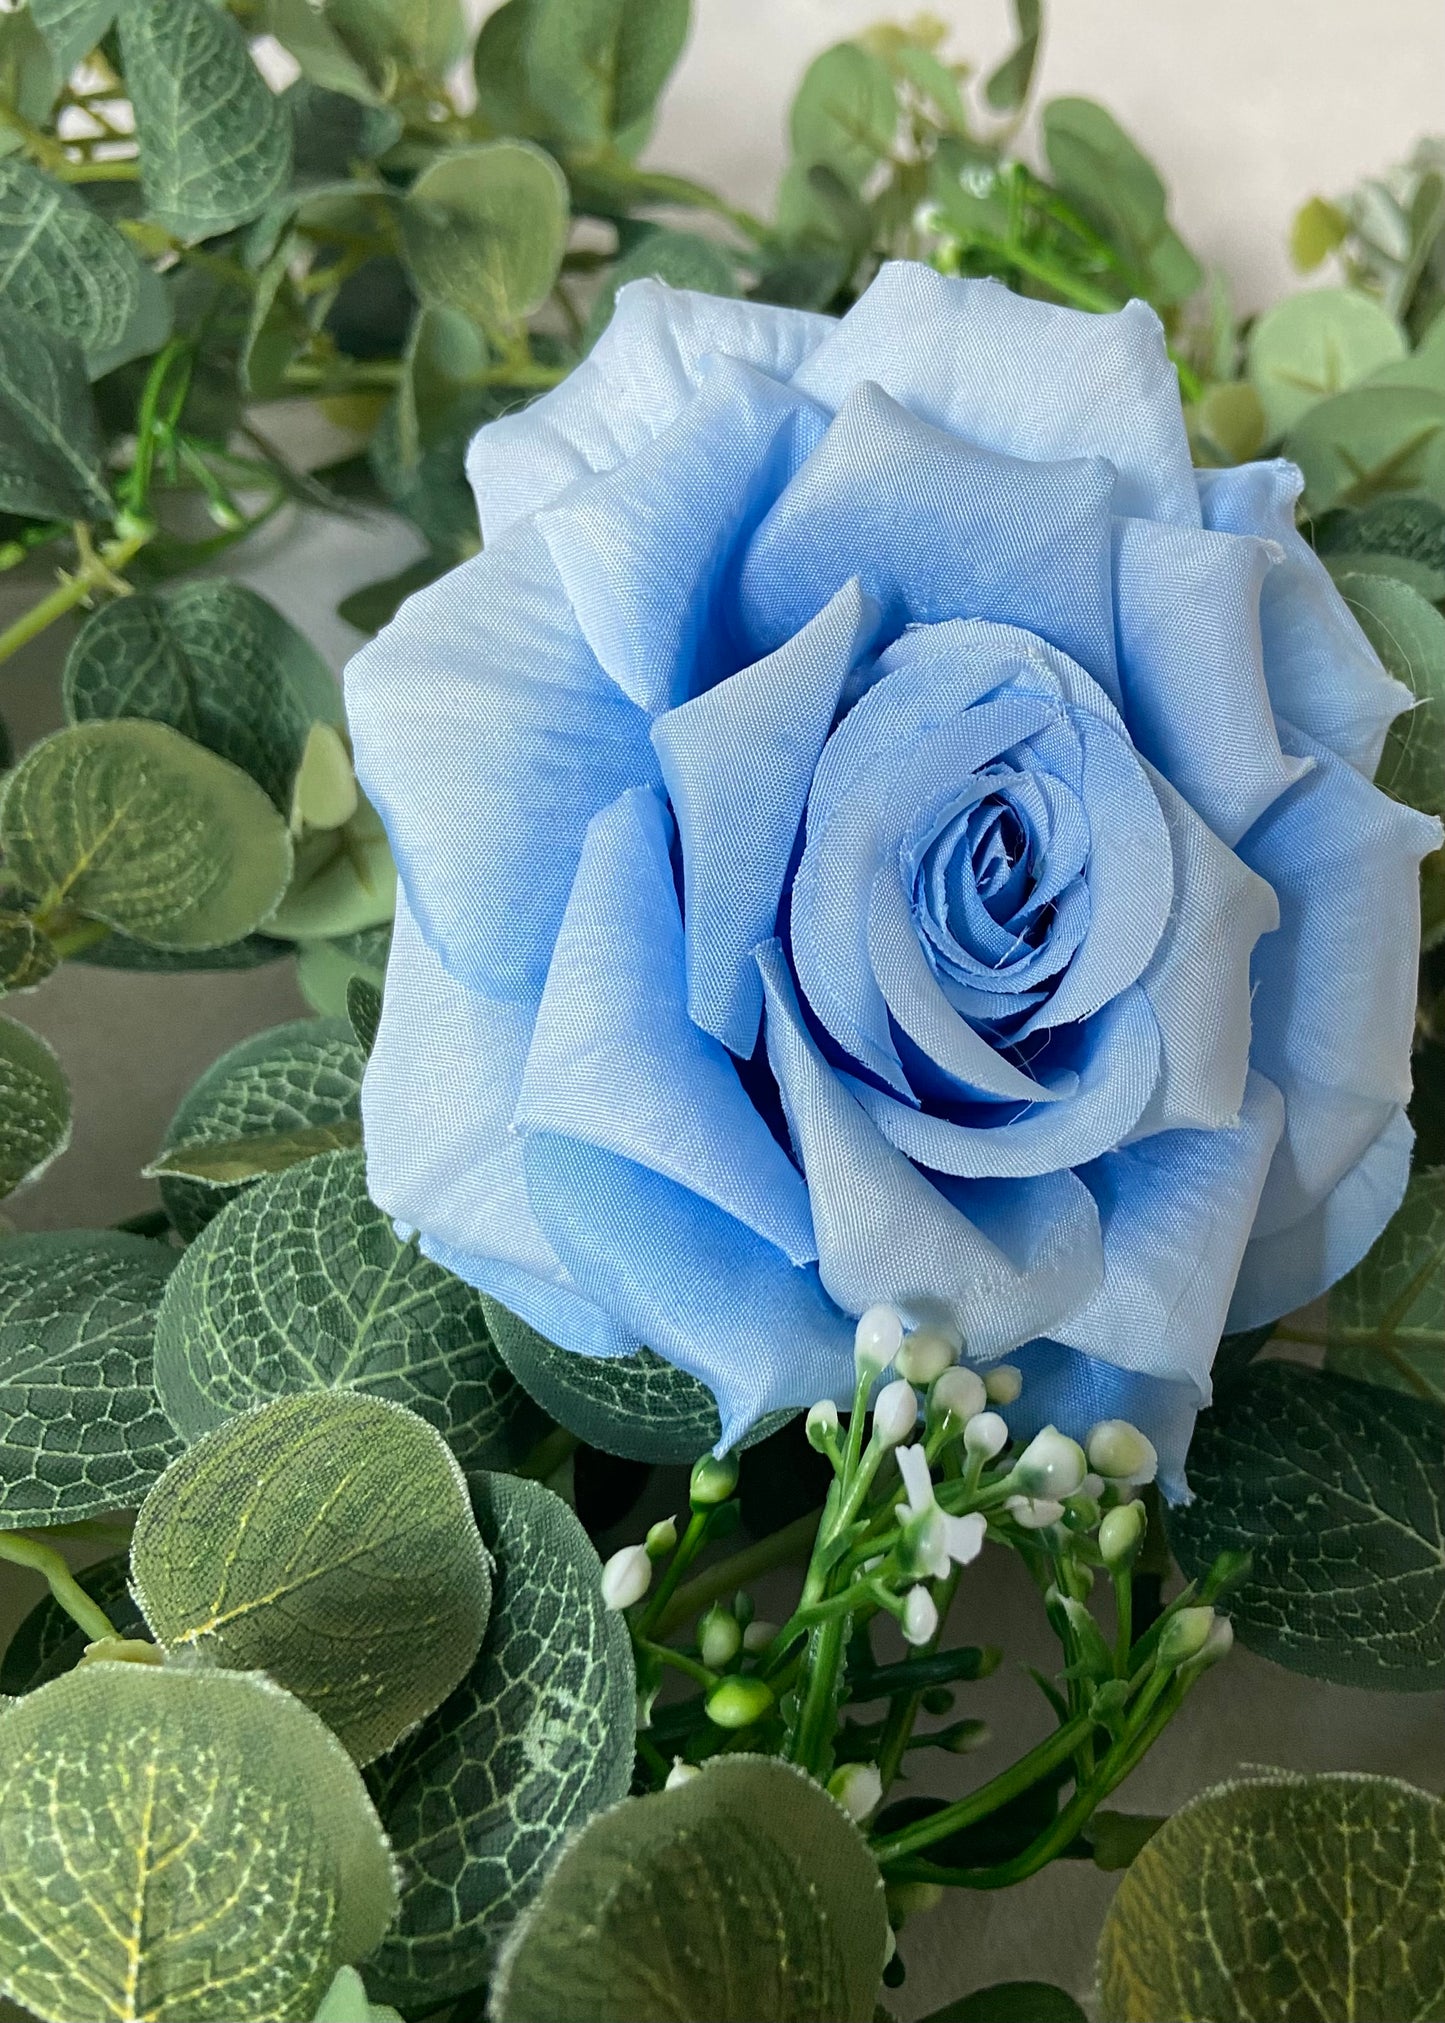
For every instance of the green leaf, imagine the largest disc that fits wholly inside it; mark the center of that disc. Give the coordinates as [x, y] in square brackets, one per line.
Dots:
[27, 955]
[324, 794]
[1230, 419]
[130, 823]
[64, 266]
[233, 1162]
[1315, 344]
[29, 74]
[1008, 86]
[331, 131]
[184, 1845]
[344, 881]
[321, 54]
[376, 604]
[845, 115]
[1333, 1486]
[80, 1427]
[1280, 1897]
[215, 662]
[1117, 188]
[1366, 441]
[324, 969]
[1414, 575]
[1318, 229]
[49, 1641]
[49, 442]
[34, 1106]
[596, 68]
[1409, 635]
[499, 62]
[346, 2002]
[1386, 1319]
[326, 1539]
[537, 1739]
[1409, 527]
[681, 259]
[302, 1285]
[429, 37]
[1011, 2002]
[215, 142]
[363, 1009]
[745, 1892]
[121, 951]
[484, 230]
[73, 27]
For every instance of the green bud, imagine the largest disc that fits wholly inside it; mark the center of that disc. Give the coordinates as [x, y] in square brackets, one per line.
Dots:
[909, 1900]
[719, 1637]
[713, 1481]
[737, 1703]
[1081, 1513]
[743, 1607]
[1228, 1570]
[962, 1737]
[661, 1538]
[1121, 1534]
[1184, 1636]
[938, 1700]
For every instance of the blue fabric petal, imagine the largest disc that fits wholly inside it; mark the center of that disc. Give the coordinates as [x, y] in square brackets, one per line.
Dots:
[738, 761]
[554, 1310]
[488, 737]
[935, 528]
[691, 1282]
[885, 1232]
[1192, 668]
[643, 551]
[616, 1061]
[641, 373]
[1072, 1391]
[1323, 673]
[1024, 377]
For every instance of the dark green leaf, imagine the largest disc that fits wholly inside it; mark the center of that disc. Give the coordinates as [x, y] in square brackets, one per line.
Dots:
[1409, 527]
[376, 604]
[49, 446]
[121, 951]
[845, 114]
[1008, 86]
[34, 1106]
[1408, 633]
[1364, 442]
[331, 132]
[363, 1008]
[1236, 1352]
[504, 91]
[324, 59]
[484, 230]
[27, 955]
[64, 266]
[73, 27]
[234, 1162]
[29, 73]
[428, 37]
[595, 68]
[1012, 2002]
[1386, 1320]
[1114, 186]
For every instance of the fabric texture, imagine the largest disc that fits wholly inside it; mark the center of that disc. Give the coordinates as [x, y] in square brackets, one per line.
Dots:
[875, 825]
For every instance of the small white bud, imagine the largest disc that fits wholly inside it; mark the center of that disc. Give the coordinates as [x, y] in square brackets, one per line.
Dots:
[986, 1434]
[626, 1577]
[1121, 1533]
[1051, 1465]
[1093, 1485]
[1003, 1383]
[757, 1636]
[895, 1415]
[681, 1773]
[821, 1424]
[1120, 1451]
[876, 1340]
[719, 1638]
[1218, 1644]
[661, 1538]
[1185, 1635]
[713, 1480]
[926, 1354]
[920, 1616]
[858, 1789]
[1033, 1512]
[960, 1393]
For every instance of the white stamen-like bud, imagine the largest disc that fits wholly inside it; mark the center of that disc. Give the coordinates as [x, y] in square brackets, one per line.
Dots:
[986, 1434]
[876, 1340]
[757, 1636]
[1218, 1644]
[960, 1393]
[1051, 1465]
[1033, 1512]
[1120, 1451]
[681, 1773]
[719, 1637]
[1003, 1383]
[920, 1616]
[926, 1354]
[626, 1577]
[857, 1788]
[821, 1424]
[895, 1415]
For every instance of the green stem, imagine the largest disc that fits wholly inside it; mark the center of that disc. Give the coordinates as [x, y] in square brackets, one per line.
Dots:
[903, 1712]
[688, 1548]
[679, 1660]
[71, 591]
[67, 1591]
[781, 1548]
[1124, 1609]
[1046, 1756]
[548, 1455]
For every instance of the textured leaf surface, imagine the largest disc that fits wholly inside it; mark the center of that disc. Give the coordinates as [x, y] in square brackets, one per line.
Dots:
[1337, 1490]
[80, 1427]
[1386, 1320]
[131, 823]
[215, 662]
[215, 143]
[746, 1892]
[49, 1641]
[324, 969]
[845, 114]
[232, 1162]
[536, 1739]
[425, 35]
[299, 1076]
[363, 1011]
[63, 265]
[1284, 1898]
[302, 1285]
[181, 1846]
[485, 228]
[34, 1105]
[73, 27]
[49, 445]
[27, 956]
[327, 1540]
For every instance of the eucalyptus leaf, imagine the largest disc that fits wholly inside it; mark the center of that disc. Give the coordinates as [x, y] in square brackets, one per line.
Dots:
[1118, 189]
[301, 1284]
[1365, 441]
[745, 1892]
[1315, 344]
[845, 114]
[185, 1845]
[81, 1430]
[29, 73]
[537, 1739]
[324, 969]
[1280, 1897]
[64, 266]
[34, 1106]
[363, 1009]
[27, 954]
[1386, 1318]
[681, 259]
[344, 881]
[233, 1162]
[73, 27]
[1008, 86]
[49, 442]
[1318, 229]
[484, 230]
[428, 37]
[596, 68]
[499, 63]
[215, 141]
[131, 823]
[1333, 1487]
[49, 1641]
[321, 55]
[326, 1539]
[333, 130]
[216, 662]
[324, 794]
[1408, 633]
[1430, 583]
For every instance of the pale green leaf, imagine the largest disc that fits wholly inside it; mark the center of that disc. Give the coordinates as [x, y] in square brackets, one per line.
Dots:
[1319, 228]
[845, 114]
[597, 67]
[745, 1892]
[426, 36]
[499, 62]
[1386, 1319]
[81, 1430]
[363, 1009]
[1008, 86]
[64, 266]
[1315, 344]
[1408, 633]
[326, 1539]
[302, 1285]
[30, 76]
[34, 1106]
[324, 969]
[322, 56]
[232, 1162]
[73, 27]
[1364, 442]
[324, 795]
[344, 881]
[1336, 1489]
[184, 1846]
[537, 1739]
[1230, 419]
[347, 2002]
[1280, 1898]
[484, 230]
[49, 442]
[131, 823]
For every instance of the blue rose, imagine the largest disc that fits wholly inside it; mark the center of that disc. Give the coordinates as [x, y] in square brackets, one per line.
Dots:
[875, 824]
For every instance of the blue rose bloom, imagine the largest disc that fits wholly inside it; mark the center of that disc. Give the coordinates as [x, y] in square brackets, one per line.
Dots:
[875, 824]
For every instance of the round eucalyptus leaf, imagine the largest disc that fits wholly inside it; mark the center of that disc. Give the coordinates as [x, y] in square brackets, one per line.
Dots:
[745, 1892]
[1334, 1487]
[595, 67]
[130, 823]
[81, 1430]
[50, 467]
[71, 271]
[1386, 1319]
[344, 882]
[1364, 441]
[185, 1845]
[536, 1739]
[1283, 1897]
[301, 1284]
[1408, 633]
[326, 1539]
[34, 1105]
[304, 1074]
[49, 1641]
[324, 969]
[484, 230]
[845, 114]
[1315, 344]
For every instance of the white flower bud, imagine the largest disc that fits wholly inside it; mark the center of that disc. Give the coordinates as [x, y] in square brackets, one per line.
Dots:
[1051, 1465]
[1093, 1485]
[876, 1340]
[960, 1393]
[1003, 1383]
[895, 1415]
[719, 1637]
[1032, 1513]
[681, 1773]
[757, 1636]
[1184, 1636]
[1120, 1451]
[920, 1616]
[661, 1538]
[713, 1480]
[857, 1788]
[986, 1434]
[626, 1577]
[1121, 1533]
[926, 1354]
[1218, 1644]
[821, 1424]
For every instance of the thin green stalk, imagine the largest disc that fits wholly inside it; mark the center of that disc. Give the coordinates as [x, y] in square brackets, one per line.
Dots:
[72, 590]
[67, 1591]
[1124, 1610]
[897, 1735]
[548, 1455]
[679, 1660]
[1040, 1760]
[688, 1548]
[781, 1548]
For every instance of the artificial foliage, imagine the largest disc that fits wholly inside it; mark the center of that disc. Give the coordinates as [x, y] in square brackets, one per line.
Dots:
[350, 1720]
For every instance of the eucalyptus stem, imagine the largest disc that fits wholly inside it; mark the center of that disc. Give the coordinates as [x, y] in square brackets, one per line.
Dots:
[66, 1589]
[94, 574]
